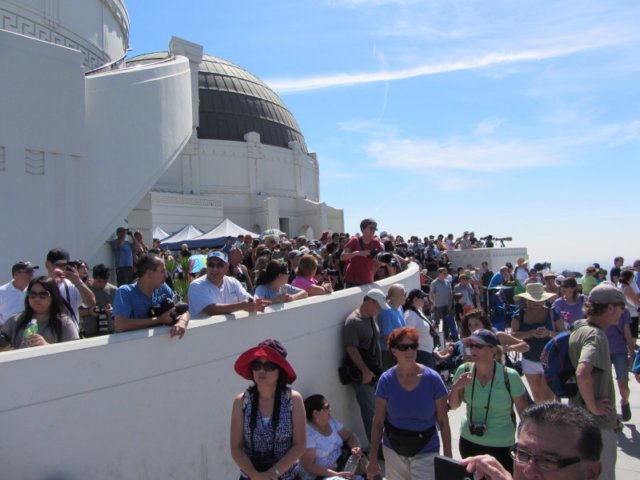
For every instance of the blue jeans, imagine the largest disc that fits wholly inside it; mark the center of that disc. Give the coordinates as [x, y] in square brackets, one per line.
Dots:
[365, 395]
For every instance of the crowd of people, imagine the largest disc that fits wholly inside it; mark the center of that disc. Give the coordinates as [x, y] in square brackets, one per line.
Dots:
[409, 356]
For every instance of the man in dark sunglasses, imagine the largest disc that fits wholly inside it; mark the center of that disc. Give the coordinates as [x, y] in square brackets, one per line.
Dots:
[555, 442]
[216, 293]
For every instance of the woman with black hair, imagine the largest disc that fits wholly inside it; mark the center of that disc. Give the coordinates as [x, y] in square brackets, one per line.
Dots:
[43, 305]
[325, 438]
[429, 339]
[267, 420]
[272, 284]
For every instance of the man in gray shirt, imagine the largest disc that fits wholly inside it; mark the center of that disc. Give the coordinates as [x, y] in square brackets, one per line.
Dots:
[440, 296]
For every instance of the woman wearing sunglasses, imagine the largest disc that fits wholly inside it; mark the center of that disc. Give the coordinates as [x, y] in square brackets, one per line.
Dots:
[410, 400]
[326, 437]
[490, 390]
[268, 419]
[42, 304]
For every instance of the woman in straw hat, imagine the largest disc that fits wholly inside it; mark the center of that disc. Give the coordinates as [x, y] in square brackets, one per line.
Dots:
[267, 421]
[536, 325]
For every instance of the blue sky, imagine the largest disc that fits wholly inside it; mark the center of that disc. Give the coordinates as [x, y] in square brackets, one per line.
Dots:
[508, 118]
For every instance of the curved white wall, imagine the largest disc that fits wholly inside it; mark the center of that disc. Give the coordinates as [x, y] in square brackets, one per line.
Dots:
[139, 405]
[97, 28]
[77, 154]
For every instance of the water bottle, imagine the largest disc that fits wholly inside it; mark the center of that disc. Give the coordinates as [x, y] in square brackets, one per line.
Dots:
[30, 329]
[352, 464]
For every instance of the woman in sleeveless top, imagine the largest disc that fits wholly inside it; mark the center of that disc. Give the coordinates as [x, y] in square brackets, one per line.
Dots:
[536, 326]
[267, 420]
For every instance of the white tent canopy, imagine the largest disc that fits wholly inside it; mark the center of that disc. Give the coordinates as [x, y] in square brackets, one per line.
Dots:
[218, 235]
[184, 235]
[159, 233]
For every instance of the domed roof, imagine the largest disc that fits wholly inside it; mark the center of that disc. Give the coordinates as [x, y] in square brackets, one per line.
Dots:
[234, 102]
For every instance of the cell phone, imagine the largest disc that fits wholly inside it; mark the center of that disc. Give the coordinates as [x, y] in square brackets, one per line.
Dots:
[448, 469]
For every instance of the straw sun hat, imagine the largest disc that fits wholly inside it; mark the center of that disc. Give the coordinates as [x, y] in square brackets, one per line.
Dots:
[535, 293]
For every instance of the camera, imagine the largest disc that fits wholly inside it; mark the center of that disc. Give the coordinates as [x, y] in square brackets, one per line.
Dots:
[73, 263]
[166, 305]
[4, 340]
[102, 320]
[385, 257]
[333, 273]
[478, 429]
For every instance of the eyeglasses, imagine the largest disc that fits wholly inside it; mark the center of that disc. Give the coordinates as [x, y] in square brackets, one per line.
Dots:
[215, 264]
[546, 463]
[42, 294]
[326, 407]
[476, 345]
[257, 365]
[403, 347]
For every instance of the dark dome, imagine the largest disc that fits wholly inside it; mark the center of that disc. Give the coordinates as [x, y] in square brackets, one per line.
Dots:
[234, 102]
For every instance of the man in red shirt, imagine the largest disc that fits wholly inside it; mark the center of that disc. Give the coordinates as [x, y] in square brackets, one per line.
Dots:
[360, 252]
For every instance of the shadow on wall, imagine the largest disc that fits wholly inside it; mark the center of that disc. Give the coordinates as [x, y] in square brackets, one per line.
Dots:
[119, 406]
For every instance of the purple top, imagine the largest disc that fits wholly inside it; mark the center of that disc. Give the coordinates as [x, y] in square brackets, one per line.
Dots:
[615, 334]
[570, 313]
[303, 283]
[414, 410]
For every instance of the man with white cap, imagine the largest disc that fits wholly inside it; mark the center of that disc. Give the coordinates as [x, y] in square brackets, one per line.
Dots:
[12, 294]
[361, 340]
[216, 293]
[589, 353]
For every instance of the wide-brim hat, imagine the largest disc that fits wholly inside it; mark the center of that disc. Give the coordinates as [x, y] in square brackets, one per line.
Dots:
[270, 350]
[535, 292]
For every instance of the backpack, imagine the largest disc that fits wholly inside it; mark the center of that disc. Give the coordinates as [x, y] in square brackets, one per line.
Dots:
[559, 372]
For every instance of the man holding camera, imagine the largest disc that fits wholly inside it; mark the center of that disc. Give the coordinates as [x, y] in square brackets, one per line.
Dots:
[361, 253]
[123, 250]
[99, 320]
[73, 290]
[148, 302]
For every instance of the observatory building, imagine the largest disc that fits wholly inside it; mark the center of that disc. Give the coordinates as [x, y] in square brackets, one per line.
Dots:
[90, 140]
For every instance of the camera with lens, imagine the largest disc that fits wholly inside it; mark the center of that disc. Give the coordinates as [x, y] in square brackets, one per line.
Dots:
[478, 429]
[166, 305]
[73, 263]
[385, 257]
[102, 320]
[333, 273]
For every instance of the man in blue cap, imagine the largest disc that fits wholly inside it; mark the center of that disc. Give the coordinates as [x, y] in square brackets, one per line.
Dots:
[218, 294]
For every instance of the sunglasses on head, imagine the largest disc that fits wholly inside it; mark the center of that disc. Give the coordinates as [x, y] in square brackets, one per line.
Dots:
[403, 347]
[257, 365]
[43, 294]
[476, 345]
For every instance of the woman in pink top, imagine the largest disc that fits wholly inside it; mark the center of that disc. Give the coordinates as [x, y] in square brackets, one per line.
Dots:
[305, 277]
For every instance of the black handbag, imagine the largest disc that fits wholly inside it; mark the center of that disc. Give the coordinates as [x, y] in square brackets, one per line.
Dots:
[407, 443]
[348, 372]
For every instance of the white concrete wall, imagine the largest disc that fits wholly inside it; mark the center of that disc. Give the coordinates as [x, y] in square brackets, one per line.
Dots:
[138, 121]
[43, 136]
[97, 28]
[496, 257]
[140, 405]
[79, 154]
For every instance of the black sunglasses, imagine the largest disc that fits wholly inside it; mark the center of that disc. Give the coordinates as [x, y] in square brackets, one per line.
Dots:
[216, 264]
[403, 347]
[257, 365]
[43, 294]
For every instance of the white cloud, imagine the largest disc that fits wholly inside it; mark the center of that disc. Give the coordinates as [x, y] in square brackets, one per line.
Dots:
[488, 126]
[459, 154]
[479, 61]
